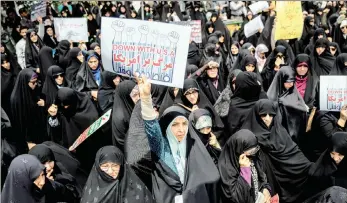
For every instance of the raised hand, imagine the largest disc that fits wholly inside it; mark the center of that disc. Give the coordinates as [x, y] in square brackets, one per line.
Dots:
[174, 37]
[143, 29]
[144, 86]
[118, 26]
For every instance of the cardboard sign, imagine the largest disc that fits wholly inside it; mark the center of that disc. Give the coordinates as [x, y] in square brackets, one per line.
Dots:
[71, 29]
[253, 26]
[195, 25]
[157, 50]
[289, 23]
[332, 93]
[38, 9]
[91, 129]
[258, 7]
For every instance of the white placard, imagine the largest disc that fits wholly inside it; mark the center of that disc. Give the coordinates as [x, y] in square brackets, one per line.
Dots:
[75, 29]
[158, 50]
[258, 7]
[253, 26]
[332, 92]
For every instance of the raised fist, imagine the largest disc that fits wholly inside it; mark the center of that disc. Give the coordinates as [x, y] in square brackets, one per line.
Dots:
[118, 26]
[130, 31]
[174, 37]
[143, 29]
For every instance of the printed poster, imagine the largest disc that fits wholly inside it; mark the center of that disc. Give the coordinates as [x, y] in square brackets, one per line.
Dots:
[289, 24]
[253, 26]
[333, 92]
[71, 29]
[157, 50]
[258, 7]
[195, 35]
[38, 9]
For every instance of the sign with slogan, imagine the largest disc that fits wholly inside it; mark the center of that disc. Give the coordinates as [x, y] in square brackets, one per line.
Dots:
[289, 23]
[72, 29]
[253, 26]
[91, 129]
[37, 10]
[195, 35]
[157, 50]
[332, 93]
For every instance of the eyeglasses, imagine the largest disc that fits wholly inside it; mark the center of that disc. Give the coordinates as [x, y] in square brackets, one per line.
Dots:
[59, 75]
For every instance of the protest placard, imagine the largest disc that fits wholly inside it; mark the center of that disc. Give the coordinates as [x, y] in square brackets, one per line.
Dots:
[289, 22]
[195, 25]
[253, 26]
[72, 29]
[157, 50]
[91, 129]
[332, 93]
[258, 7]
[38, 9]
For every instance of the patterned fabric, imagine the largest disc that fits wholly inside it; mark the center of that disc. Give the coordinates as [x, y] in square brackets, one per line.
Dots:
[203, 122]
[53, 122]
[255, 179]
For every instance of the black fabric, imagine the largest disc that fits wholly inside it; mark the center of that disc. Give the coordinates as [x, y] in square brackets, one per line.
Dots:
[50, 88]
[28, 118]
[193, 54]
[19, 185]
[61, 53]
[85, 79]
[265, 35]
[106, 90]
[307, 33]
[234, 186]
[92, 26]
[333, 194]
[8, 79]
[323, 63]
[291, 105]
[50, 41]
[168, 100]
[101, 187]
[123, 106]
[158, 93]
[337, 47]
[45, 60]
[32, 51]
[74, 64]
[310, 48]
[340, 65]
[249, 59]
[289, 51]
[289, 164]
[193, 117]
[205, 32]
[312, 84]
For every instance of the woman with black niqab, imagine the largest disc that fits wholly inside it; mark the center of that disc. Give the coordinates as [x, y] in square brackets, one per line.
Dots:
[122, 186]
[45, 61]
[209, 29]
[32, 47]
[106, 90]
[335, 49]
[321, 59]
[318, 34]
[49, 38]
[8, 79]
[55, 79]
[288, 163]
[28, 118]
[74, 63]
[61, 53]
[340, 65]
[307, 33]
[123, 106]
[245, 182]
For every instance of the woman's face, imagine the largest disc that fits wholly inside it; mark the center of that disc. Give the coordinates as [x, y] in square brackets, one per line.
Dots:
[116, 81]
[122, 9]
[49, 165]
[234, 49]
[97, 49]
[107, 14]
[210, 30]
[179, 128]
[114, 8]
[205, 130]
[249, 15]
[40, 180]
[90, 17]
[192, 96]
[80, 57]
[32, 83]
[250, 68]
[262, 55]
[50, 32]
[301, 70]
[6, 65]
[312, 22]
[337, 157]
[133, 14]
[111, 169]
[2, 49]
[64, 14]
[59, 79]
[288, 85]
[221, 39]
[320, 50]
[212, 72]
[267, 119]
[333, 50]
[33, 37]
[93, 63]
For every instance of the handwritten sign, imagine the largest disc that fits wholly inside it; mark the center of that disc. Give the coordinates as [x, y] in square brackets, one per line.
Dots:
[157, 50]
[75, 29]
[195, 25]
[91, 129]
[258, 7]
[253, 26]
[37, 10]
[332, 93]
[289, 24]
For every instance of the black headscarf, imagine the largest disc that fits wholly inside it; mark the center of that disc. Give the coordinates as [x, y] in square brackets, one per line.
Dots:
[158, 93]
[289, 51]
[45, 59]
[92, 26]
[190, 69]
[19, 185]
[307, 33]
[8, 79]
[310, 48]
[50, 88]
[205, 33]
[289, 164]
[323, 63]
[27, 116]
[123, 106]
[32, 50]
[74, 64]
[234, 186]
[106, 90]
[93, 46]
[101, 187]
[337, 47]
[50, 41]
[332, 194]
[61, 53]
[340, 65]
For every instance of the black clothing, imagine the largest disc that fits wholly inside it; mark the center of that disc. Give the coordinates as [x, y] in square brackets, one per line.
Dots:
[74, 64]
[340, 67]
[45, 60]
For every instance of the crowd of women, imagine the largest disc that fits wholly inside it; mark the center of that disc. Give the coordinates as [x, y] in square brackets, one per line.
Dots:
[245, 128]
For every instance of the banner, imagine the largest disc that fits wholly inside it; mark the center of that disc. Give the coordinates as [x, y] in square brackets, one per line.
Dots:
[332, 93]
[195, 35]
[91, 129]
[289, 24]
[72, 29]
[258, 7]
[38, 9]
[253, 26]
[158, 50]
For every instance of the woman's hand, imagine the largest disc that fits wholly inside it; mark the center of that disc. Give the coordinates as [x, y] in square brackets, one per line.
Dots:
[267, 195]
[49, 174]
[94, 94]
[41, 102]
[53, 110]
[144, 86]
[244, 161]
[213, 141]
